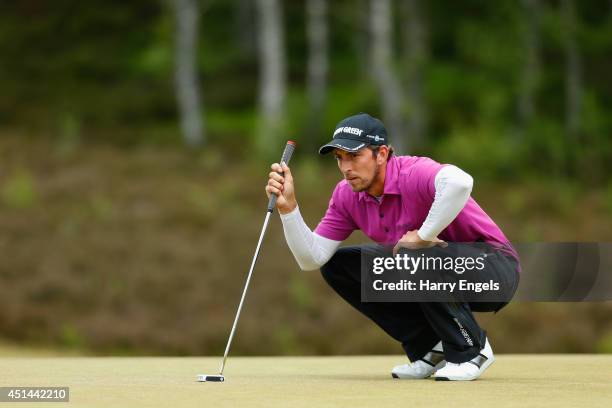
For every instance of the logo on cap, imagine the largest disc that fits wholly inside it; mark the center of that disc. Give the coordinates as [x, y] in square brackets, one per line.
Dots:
[375, 137]
[347, 129]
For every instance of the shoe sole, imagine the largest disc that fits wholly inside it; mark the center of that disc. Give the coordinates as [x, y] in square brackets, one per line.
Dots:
[397, 377]
[436, 368]
[480, 371]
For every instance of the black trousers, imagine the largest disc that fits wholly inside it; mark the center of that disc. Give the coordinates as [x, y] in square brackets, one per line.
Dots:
[419, 326]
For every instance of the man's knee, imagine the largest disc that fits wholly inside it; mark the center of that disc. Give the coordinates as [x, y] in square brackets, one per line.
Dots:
[331, 267]
[327, 270]
[342, 259]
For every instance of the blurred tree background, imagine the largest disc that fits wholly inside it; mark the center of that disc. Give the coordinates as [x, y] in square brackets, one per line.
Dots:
[135, 138]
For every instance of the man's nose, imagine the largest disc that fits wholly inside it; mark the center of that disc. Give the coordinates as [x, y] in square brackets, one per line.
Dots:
[345, 166]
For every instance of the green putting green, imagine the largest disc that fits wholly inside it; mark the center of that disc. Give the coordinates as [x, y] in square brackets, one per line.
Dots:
[359, 381]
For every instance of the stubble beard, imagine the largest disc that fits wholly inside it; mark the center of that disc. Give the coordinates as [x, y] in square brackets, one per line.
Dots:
[358, 189]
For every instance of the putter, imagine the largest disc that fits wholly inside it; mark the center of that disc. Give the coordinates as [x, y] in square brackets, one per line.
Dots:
[289, 148]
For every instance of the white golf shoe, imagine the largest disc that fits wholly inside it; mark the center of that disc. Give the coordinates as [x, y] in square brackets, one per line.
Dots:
[469, 370]
[423, 368]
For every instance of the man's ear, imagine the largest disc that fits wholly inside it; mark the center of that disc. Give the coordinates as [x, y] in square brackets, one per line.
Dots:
[383, 154]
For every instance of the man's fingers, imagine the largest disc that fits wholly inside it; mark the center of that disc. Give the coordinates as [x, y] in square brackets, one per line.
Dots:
[275, 184]
[415, 245]
[287, 171]
[276, 167]
[275, 176]
[437, 241]
[273, 190]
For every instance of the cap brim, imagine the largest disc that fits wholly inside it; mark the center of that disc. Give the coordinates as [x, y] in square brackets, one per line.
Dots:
[348, 145]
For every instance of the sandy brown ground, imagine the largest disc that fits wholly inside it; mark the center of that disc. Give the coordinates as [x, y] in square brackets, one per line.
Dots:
[363, 381]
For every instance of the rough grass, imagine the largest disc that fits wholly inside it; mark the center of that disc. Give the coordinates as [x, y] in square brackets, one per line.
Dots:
[145, 251]
[359, 381]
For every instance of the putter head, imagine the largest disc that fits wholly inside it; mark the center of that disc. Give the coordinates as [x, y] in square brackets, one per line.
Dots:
[210, 378]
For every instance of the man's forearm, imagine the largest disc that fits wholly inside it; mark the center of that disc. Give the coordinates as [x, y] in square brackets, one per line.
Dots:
[453, 188]
[311, 251]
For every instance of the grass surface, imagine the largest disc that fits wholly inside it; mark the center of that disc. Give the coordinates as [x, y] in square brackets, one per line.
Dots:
[513, 380]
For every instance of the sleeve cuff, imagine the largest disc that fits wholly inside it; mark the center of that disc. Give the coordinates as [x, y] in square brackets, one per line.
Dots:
[295, 213]
[425, 235]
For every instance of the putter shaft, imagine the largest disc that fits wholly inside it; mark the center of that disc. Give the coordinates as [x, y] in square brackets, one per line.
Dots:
[246, 286]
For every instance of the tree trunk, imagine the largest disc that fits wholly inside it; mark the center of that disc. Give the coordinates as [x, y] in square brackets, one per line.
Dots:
[360, 17]
[530, 76]
[186, 78]
[415, 55]
[573, 71]
[382, 68]
[271, 73]
[244, 27]
[317, 62]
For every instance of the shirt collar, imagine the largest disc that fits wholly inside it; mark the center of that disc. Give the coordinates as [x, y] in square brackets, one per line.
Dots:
[391, 180]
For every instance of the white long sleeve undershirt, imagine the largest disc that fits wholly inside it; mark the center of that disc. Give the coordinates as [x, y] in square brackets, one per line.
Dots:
[453, 188]
[311, 251]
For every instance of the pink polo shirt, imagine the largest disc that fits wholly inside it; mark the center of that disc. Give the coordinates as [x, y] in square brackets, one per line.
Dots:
[407, 197]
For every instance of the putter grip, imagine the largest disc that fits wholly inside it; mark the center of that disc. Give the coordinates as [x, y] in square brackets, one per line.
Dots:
[289, 148]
